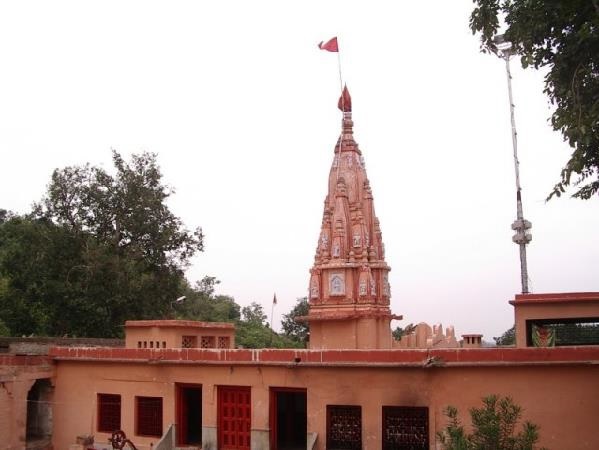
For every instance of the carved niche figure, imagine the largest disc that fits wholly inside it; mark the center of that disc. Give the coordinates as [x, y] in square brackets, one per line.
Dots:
[324, 241]
[372, 286]
[314, 291]
[364, 280]
[337, 284]
[336, 250]
[363, 288]
[357, 239]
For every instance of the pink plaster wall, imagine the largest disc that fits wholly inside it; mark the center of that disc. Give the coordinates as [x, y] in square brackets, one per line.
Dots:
[562, 398]
[363, 333]
[552, 306]
[17, 376]
[171, 332]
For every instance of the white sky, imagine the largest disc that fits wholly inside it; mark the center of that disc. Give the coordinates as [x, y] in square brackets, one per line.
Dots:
[240, 106]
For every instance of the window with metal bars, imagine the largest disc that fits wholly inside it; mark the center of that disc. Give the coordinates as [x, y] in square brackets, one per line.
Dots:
[208, 342]
[344, 427]
[109, 412]
[405, 428]
[148, 421]
[561, 332]
[189, 342]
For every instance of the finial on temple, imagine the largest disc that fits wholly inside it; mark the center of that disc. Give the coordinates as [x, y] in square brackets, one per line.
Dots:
[344, 103]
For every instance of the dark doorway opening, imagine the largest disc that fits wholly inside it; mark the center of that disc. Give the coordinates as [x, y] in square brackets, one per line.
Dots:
[288, 418]
[189, 414]
[39, 414]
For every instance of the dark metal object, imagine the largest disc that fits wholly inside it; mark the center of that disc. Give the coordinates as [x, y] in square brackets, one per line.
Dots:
[344, 427]
[405, 428]
[119, 440]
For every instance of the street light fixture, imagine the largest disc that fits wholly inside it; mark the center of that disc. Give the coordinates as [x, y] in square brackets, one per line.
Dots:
[178, 301]
[520, 225]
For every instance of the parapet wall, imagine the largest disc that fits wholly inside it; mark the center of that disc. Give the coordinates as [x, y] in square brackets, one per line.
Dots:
[413, 357]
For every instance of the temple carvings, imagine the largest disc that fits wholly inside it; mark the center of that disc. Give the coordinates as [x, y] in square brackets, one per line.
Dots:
[349, 278]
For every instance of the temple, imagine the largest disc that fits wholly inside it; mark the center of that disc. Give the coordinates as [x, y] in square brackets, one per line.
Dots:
[349, 288]
[182, 385]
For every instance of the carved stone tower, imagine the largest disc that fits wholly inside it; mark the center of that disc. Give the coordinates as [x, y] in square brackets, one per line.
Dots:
[349, 290]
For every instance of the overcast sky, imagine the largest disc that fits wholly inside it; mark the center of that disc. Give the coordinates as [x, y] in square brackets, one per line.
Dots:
[240, 106]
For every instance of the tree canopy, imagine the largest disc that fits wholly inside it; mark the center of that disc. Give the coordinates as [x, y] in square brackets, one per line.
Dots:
[564, 38]
[254, 332]
[507, 338]
[98, 249]
[297, 331]
[101, 248]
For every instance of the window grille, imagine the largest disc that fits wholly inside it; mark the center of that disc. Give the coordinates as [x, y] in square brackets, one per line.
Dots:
[189, 342]
[223, 342]
[405, 428]
[109, 412]
[561, 332]
[149, 416]
[208, 342]
[344, 427]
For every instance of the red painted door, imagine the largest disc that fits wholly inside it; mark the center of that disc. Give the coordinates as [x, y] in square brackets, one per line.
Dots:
[234, 417]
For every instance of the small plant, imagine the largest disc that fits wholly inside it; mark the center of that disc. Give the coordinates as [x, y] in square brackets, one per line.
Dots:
[493, 428]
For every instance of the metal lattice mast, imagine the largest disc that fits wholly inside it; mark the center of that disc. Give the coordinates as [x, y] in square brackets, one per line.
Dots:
[520, 225]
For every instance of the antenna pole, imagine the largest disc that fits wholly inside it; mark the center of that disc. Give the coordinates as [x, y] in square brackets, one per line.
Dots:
[521, 226]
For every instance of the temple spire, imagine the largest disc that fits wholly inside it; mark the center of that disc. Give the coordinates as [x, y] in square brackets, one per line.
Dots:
[349, 278]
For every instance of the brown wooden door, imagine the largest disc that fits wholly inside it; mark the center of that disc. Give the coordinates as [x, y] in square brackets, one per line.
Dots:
[234, 417]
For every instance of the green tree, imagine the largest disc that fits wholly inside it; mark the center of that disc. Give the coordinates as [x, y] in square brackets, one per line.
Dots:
[40, 289]
[254, 332]
[202, 304]
[562, 36]
[254, 313]
[97, 250]
[4, 331]
[493, 428]
[399, 332]
[292, 329]
[4, 215]
[127, 211]
[507, 338]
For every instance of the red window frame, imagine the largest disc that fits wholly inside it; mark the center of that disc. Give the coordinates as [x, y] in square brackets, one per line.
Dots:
[148, 416]
[109, 412]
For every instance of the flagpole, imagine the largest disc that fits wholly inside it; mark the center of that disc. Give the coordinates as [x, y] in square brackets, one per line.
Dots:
[332, 45]
[342, 105]
[272, 310]
[339, 66]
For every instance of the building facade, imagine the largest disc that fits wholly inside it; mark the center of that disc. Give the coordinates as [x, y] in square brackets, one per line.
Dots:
[182, 384]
